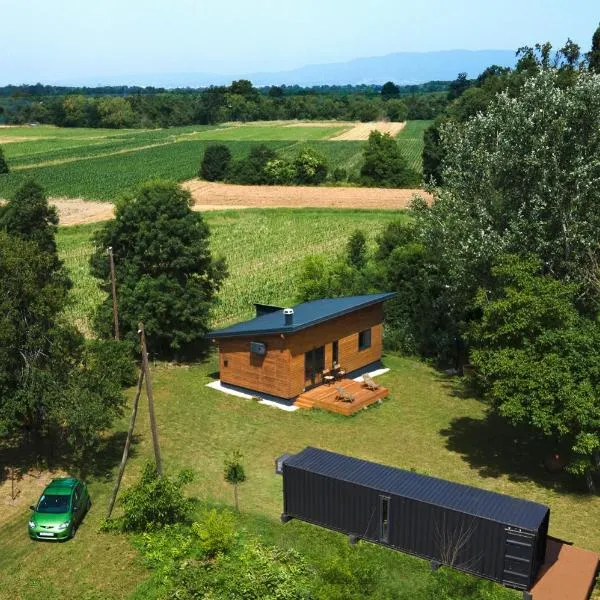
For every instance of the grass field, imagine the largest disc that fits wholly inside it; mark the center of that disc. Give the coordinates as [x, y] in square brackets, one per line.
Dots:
[265, 271]
[423, 425]
[102, 163]
[426, 424]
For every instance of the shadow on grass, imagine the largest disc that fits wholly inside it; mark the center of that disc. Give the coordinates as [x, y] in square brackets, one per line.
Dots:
[495, 448]
[26, 456]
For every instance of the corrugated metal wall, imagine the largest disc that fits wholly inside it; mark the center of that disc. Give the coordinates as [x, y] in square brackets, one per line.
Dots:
[467, 543]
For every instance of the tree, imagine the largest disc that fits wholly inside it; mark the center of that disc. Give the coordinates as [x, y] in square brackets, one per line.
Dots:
[397, 110]
[593, 55]
[310, 167]
[29, 217]
[115, 112]
[166, 276]
[514, 183]
[356, 250]
[432, 153]
[537, 358]
[215, 162]
[390, 90]
[54, 386]
[459, 86]
[3, 164]
[384, 164]
[233, 473]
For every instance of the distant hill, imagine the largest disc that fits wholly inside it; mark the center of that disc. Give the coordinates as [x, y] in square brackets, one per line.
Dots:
[400, 67]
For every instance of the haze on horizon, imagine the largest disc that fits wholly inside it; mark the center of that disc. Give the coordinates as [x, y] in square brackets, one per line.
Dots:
[63, 40]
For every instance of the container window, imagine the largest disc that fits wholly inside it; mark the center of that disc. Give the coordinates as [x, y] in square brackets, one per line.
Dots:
[384, 514]
[364, 339]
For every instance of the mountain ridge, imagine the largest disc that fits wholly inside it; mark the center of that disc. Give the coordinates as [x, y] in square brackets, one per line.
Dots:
[401, 67]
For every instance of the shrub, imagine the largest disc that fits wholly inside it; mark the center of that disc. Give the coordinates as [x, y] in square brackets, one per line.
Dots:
[356, 250]
[155, 501]
[310, 166]
[251, 170]
[215, 162]
[339, 174]
[254, 572]
[279, 172]
[216, 532]
[3, 164]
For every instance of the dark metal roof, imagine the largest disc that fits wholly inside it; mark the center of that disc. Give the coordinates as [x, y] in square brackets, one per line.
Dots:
[463, 498]
[306, 315]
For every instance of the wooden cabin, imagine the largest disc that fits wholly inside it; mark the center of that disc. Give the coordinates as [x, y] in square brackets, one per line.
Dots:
[284, 351]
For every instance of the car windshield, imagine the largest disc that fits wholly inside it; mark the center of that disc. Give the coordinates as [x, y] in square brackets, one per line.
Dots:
[53, 504]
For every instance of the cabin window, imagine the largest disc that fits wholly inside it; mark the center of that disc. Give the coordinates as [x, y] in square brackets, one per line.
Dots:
[335, 353]
[384, 515]
[364, 339]
[225, 363]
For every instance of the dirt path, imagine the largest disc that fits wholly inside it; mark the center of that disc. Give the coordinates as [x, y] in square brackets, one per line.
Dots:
[77, 212]
[361, 131]
[223, 196]
[208, 195]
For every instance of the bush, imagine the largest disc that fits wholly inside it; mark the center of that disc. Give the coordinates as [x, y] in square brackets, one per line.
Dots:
[251, 170]
[3, 165]
[310, 166]
[353, 574]
[215, 163]
[384, 165]
[216, 532]
[252, 572]
[279, 172]
[339, 174]
[155, 501]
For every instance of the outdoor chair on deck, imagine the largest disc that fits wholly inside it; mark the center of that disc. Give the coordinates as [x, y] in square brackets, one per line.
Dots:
[369, 383]
[328, 377]
[343, 395]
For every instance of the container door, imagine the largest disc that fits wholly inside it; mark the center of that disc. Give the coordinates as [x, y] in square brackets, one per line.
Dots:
[519, 556]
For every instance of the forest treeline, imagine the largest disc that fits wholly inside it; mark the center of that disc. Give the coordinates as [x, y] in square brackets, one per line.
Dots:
[125, 106]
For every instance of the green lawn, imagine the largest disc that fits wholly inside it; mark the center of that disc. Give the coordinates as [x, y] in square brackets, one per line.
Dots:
[102, 163]
[266, 269]
[423, 425]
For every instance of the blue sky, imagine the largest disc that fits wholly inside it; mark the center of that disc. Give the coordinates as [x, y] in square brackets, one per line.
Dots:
[54, 40]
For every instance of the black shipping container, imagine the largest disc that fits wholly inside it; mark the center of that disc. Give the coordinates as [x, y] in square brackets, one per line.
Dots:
[483, 533]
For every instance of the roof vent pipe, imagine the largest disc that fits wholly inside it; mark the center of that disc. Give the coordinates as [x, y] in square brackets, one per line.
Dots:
[288, 314]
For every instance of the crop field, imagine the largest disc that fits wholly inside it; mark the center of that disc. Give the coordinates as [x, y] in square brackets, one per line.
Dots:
[101, 163]
[265, 271]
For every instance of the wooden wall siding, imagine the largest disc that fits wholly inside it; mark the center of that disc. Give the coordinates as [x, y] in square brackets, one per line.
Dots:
[281, 371]
[346, 330]
[268, 373]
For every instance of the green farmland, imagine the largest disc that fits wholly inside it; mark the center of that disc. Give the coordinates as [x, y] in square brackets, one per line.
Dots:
[102, 163]
[265, 272]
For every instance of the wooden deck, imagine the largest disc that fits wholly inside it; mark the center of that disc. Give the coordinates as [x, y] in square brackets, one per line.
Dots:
[567, 574]
[325, 397]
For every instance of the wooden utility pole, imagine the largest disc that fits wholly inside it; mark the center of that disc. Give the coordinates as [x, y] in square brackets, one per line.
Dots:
[153, 429]
[127, 443]
[114, 292]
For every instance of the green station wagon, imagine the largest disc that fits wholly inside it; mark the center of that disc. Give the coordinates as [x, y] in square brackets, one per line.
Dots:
[60, 510]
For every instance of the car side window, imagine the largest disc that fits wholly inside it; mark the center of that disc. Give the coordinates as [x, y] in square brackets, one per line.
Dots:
[76, 496]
